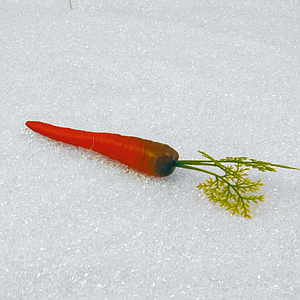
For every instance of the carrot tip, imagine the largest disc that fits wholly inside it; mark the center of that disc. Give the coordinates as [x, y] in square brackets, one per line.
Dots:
[30, 124]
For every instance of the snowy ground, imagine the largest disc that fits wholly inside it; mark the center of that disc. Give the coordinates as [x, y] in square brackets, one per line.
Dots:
[222, 77]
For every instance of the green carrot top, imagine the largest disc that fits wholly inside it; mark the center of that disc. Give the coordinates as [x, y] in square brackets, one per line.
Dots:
[232, 190]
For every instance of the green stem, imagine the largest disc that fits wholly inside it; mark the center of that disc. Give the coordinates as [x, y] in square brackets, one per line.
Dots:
[188, 163]
[212, 163]
[194, 162]
[196, 169]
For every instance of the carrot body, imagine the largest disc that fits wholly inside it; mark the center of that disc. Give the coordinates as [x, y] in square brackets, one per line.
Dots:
[151, 158]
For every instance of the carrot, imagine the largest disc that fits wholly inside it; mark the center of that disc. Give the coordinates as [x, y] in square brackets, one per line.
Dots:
[230, 189]
[151, 158]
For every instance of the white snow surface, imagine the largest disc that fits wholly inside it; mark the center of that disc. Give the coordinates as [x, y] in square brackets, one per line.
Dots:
[217, 76]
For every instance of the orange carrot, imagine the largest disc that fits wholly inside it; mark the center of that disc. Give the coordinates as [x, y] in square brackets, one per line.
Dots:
[151, 158]
[230, 190]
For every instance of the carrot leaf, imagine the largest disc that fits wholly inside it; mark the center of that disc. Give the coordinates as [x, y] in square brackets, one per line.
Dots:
[233, 190]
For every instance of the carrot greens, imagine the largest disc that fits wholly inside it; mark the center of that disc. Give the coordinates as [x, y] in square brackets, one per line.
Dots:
[233, 189]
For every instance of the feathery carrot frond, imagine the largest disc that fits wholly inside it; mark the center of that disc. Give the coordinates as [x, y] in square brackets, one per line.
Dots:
[233, 190]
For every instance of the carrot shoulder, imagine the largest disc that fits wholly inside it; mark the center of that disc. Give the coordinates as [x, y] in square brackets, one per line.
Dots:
[151, 158]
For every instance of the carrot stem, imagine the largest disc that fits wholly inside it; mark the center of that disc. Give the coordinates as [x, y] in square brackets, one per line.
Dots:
[181, 163]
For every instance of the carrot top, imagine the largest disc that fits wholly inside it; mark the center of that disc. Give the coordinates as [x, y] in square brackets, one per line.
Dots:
[233, 190]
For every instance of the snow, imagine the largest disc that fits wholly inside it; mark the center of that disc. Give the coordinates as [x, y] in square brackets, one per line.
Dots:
[221, 77]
